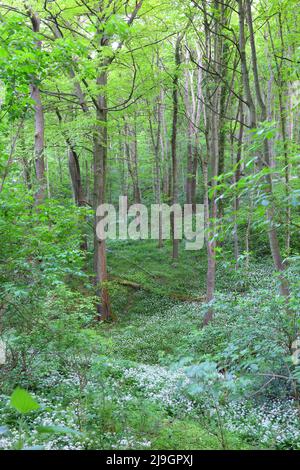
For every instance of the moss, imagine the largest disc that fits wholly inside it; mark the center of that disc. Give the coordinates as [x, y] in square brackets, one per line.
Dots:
[189, 435]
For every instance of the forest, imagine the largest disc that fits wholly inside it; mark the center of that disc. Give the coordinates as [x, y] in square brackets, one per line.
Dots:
[114, 335]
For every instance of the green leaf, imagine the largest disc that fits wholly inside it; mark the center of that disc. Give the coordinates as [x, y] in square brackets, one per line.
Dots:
[22, 401]
[56, 430]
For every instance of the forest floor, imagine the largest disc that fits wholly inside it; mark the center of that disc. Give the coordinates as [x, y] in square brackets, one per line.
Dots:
[155, 378]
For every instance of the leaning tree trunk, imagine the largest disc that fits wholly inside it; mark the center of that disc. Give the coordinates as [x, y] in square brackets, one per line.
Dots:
[76, 180]
[282, 96]
[264, 160]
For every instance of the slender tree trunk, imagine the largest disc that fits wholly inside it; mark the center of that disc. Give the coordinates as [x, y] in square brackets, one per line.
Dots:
[39, 124]
[39, 145]
[222, 133]
[237, 177]
[174, 145]
[156, 142]
[282, 95]
[73, 158]
[211, 246]
[120, 163]
[11, 154]
[192, 111]
[265, 159]
[164, 147]
[76, 180]
[47, 177]
[190, 133]
[286, 172]
[134, 155]
[87, 184]
[132, 159]
[214, 46]
[74, 169]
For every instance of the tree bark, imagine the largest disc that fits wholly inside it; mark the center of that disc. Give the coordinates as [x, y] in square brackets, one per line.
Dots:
[214, 48]
[100, 163]
[237, 177]
[156, 142]
[264, 159]
[175, 242]
[132, 160]
[39, 124]
[282, 95]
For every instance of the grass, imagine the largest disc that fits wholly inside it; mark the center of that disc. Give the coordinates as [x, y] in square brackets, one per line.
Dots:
[189, 435]
[142, 262]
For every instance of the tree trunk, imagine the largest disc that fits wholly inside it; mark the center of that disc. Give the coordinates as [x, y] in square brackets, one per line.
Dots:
[265, 158]
[39, 125]
[214, 45]
[164, 147]
[282, 95]
[173, 145]
[100, 162]
[132, 159]
[190, 135]
[156, 142]
[237, 177]
[211, 245]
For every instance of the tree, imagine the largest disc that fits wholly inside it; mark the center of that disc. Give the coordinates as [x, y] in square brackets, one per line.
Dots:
[39, 134]
[264, 159]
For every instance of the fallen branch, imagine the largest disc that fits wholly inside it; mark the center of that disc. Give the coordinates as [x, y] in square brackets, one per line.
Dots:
[172, 295]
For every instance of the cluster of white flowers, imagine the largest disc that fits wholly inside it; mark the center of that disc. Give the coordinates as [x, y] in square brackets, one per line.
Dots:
[130, 442]
[48, 415]
[273, 423]
[149, 336]
[6, 442]
[160, 384]
[56, 379]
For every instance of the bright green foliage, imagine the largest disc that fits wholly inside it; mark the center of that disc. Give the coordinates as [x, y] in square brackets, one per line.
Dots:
[23, 402]
[152, 377]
